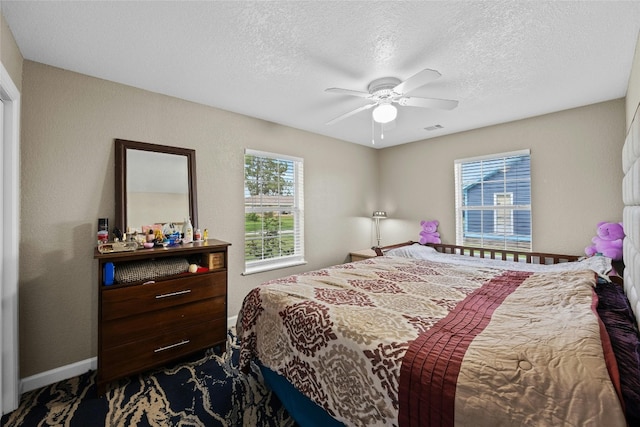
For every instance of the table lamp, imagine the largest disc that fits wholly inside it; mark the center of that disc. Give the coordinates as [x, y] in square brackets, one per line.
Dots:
[377, 216]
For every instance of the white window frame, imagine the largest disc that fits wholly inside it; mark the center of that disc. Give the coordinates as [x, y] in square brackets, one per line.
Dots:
[297, 210]
[503, 219]
[460, 206]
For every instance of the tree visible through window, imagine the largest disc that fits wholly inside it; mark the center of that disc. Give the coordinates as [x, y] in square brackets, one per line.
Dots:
[273, 211]
[493, 201]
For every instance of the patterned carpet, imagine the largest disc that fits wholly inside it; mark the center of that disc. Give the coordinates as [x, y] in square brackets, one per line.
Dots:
[206, 390]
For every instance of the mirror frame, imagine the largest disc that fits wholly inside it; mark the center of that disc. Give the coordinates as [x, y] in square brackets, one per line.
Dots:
[121, 146]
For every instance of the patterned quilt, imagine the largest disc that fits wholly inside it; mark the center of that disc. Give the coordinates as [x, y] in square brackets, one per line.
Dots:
[359, 339]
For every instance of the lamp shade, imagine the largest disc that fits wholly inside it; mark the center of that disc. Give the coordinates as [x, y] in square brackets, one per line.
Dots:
[384, 113]
[379, 214]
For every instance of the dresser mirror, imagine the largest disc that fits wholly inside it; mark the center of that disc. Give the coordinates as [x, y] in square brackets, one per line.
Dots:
[155, 184]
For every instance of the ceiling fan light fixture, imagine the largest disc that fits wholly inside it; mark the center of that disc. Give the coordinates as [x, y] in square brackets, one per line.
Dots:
[385, 113]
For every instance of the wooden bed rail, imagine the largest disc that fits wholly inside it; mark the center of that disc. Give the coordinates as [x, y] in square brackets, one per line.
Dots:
[500, 254]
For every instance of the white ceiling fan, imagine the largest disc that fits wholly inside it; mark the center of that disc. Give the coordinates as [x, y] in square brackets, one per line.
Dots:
[386, 91]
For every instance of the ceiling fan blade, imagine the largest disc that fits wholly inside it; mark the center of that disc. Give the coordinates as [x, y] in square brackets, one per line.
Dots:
[348, 92]
[419, 79]
[442, 104]
[350, 113]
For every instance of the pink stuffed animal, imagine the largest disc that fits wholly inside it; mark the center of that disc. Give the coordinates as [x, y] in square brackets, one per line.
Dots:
[429, 233]
[608, 240]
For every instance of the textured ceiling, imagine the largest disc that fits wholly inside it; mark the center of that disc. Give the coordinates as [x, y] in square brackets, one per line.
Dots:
[273, 60]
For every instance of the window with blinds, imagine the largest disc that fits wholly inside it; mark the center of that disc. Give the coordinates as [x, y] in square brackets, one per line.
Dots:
[493, 201]
[273, 211]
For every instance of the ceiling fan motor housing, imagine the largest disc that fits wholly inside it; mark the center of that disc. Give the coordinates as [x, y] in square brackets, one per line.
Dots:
[383, 88]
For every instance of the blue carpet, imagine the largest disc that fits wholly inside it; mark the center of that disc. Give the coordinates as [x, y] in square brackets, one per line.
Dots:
[204, 390]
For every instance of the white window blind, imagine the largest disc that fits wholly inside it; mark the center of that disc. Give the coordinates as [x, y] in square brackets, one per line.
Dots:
[274, 211]
[493, 201]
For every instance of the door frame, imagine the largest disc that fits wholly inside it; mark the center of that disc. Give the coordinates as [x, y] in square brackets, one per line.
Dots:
[9, 246]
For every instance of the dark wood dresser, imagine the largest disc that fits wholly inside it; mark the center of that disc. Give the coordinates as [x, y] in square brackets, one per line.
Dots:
[147, 323]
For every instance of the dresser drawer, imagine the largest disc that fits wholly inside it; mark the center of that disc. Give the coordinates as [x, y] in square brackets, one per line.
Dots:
[155, 351]
[136, 299]
[125, 329]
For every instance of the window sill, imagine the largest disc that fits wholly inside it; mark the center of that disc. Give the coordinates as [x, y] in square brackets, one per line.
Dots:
[272, 266]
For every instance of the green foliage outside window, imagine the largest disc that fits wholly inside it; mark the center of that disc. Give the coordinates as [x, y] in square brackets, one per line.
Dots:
[269, 237]
[266, 176]
[269, 229]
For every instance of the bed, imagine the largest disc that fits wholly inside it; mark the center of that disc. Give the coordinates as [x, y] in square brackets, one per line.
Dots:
[446, 335]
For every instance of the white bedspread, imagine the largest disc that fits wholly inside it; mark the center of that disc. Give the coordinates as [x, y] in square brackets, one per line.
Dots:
[599, 264]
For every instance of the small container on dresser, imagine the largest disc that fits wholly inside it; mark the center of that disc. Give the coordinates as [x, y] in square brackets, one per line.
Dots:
[146, 323]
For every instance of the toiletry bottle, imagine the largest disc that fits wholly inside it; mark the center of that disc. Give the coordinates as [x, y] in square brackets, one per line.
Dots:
[187, 230]
[103, 230]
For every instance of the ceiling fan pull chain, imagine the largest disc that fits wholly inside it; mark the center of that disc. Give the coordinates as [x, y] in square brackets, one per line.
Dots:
[373, 136]
[381, 131]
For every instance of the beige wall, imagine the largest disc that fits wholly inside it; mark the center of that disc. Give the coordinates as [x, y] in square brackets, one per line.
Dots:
[69, 125]
[576, 172]
[10, 55]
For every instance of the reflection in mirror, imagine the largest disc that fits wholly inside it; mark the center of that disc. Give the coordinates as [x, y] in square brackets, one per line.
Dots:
[155, 184]
[157, 188]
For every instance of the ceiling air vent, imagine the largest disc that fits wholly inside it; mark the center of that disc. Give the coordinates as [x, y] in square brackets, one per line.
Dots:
[434, 127]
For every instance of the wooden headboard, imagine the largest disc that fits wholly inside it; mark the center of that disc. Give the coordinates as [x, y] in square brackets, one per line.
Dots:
[501, 254]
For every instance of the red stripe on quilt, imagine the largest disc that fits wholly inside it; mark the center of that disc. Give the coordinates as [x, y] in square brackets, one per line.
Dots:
[432, 363]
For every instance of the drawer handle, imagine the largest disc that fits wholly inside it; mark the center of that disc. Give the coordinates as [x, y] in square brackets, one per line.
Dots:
[173, 294]
[168, 347]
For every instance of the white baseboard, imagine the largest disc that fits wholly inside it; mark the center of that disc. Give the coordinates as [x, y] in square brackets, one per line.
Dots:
[72, 370]
[58, 374]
